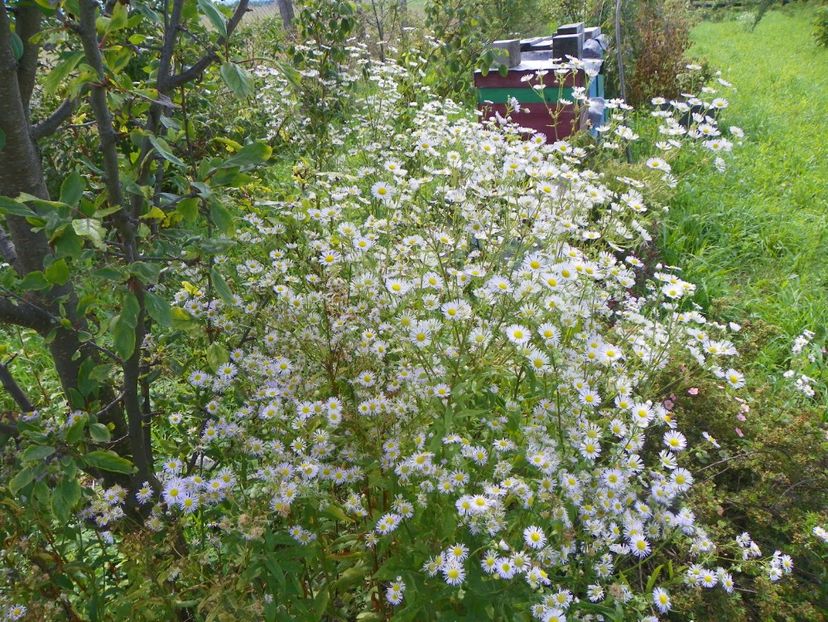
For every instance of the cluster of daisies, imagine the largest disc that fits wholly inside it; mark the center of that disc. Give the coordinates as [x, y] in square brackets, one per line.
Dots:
[450, 322]
[807, 357]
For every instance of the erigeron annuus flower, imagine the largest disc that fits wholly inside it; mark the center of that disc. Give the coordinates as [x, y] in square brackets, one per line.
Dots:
[518, 334]
[534, 537]
[382, 191]
[388, 523]
[639, 546]
[456, 310]
[735, 379]
[395, 591]
[453, 572]
[397, 287]
[661, 599]
[538, 360]
[675, 441]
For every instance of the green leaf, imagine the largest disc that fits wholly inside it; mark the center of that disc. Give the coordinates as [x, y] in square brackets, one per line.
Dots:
[92, 230]
[352, 576]
[291, 74]
[221, 217]
[336, 512]
[71, 190]
[16, 46]
[237, 80]
[24, 197]
[651, 580]
[164, 150]
[67, 243]
[108, 461]
[109, 273]
[36, 453]
[275, 570]
[57, 272]
[216, 355]
[320, 603]
[221, 286]
[158, 309]
[21, 480]
[188, 208]
[75, 432]
[123, 333]
[65, 497]
[60, 73]
[99, 433]
[85, 385]
[16, 208]
[119, 18]
[118, 58]
[34, 281]
[2, 139]
[215, 17]
[247, 157]
[147, 272]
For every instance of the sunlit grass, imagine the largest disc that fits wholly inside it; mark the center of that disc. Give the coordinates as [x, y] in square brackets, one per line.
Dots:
[755, 238]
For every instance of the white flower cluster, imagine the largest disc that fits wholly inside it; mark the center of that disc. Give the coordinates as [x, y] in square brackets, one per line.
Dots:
[806, 356]
[445, 342]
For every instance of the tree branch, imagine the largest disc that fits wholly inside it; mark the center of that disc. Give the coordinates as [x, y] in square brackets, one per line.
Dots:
[27, 24]
[10, 384]
[126, 227]
[167, 50]
[21, 313]
[211, 56]
[106, 130]
[50, 124]
[7, 249]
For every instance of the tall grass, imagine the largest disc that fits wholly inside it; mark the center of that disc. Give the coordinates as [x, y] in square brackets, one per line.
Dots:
[756, 237]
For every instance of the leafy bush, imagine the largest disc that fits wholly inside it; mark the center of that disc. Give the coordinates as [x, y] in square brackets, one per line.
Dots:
[659, 46]
[821, 26]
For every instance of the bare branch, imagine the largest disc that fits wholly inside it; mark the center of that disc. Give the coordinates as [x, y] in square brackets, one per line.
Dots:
[211, 56]
[50, 124]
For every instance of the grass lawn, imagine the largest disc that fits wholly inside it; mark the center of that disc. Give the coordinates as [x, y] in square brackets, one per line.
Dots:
[755, 239]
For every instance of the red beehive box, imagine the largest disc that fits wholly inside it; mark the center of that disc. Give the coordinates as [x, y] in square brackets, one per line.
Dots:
[550, 110]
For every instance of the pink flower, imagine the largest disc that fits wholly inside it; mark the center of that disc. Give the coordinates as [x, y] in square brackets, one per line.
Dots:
[739, 432]
[693, 391]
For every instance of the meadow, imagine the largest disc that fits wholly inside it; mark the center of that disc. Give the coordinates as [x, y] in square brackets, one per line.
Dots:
[756, 239]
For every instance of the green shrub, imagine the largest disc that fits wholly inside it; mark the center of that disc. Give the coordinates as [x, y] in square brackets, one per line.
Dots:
[821, 26]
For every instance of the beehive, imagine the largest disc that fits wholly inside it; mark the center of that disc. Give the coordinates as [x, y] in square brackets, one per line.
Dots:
[551, 109]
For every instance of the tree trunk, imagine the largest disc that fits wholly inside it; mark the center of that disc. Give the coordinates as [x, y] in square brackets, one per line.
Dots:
[21, 171]
[286, 11]
[402, 9]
